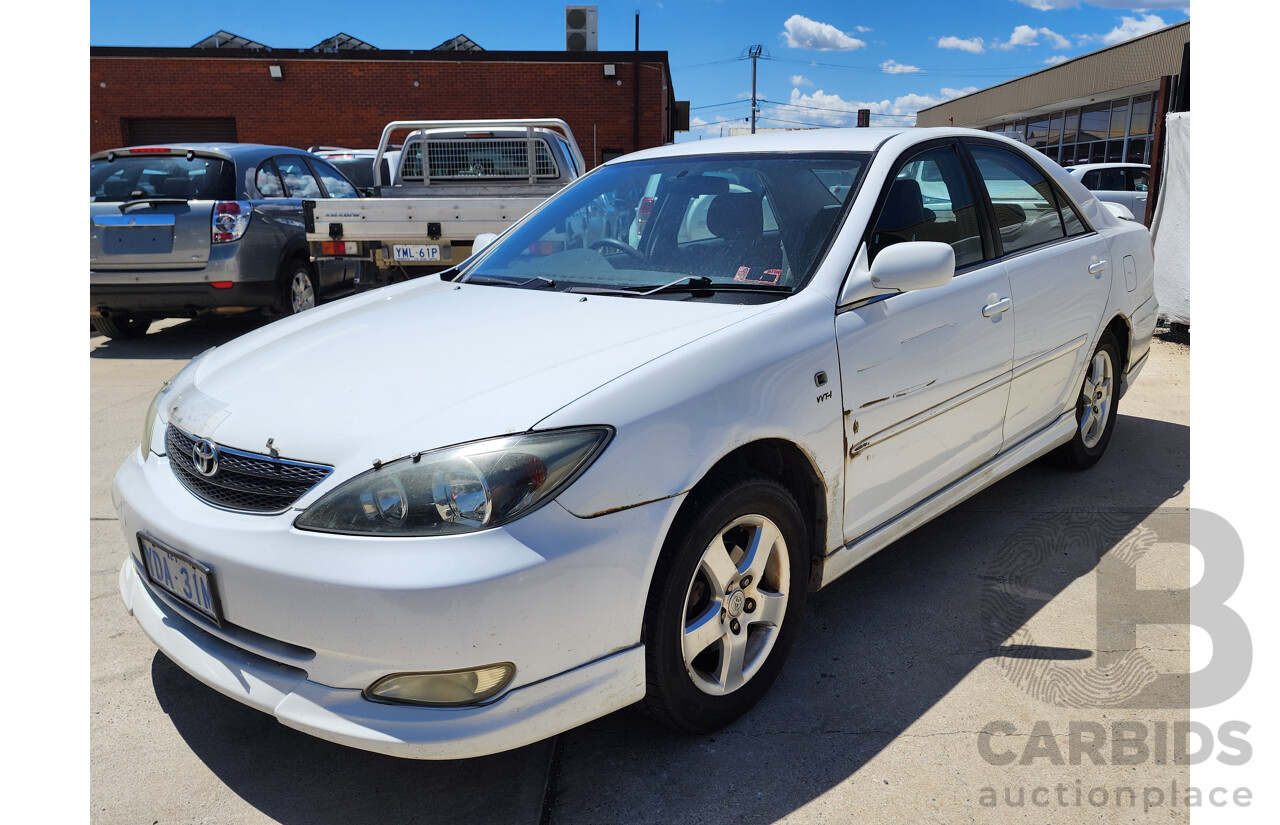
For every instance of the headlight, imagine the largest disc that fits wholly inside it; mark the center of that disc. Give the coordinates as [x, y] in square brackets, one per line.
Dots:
[458, 489]
[150, 443]
[149, 425]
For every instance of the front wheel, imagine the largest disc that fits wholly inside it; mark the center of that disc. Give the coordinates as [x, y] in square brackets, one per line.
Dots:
[725, 604]
[1095, 408]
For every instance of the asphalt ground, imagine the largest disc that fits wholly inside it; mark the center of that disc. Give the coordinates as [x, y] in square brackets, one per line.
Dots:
[994, 656]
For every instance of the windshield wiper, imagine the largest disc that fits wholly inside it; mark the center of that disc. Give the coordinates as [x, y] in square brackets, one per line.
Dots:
[690, 282]
[481, 278]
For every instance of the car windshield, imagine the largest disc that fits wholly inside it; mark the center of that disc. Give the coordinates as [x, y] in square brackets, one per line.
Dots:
[750, 223]
[161, 176]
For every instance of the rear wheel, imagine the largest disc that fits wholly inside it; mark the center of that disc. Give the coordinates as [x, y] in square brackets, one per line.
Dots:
[726, 602]
[122, 325]
[1095, 408]
[298, 289]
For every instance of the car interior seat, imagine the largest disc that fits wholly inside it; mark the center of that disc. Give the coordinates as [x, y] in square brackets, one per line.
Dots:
[738, 219]
[177, 186]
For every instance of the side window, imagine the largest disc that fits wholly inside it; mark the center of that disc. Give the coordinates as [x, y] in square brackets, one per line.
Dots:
[1025, 209]
[268, 180]
[1090, 180]
[1111, 180]
[930, 200]
[298, 180]
[335, 184]
[1138, 179]
[1070, 219]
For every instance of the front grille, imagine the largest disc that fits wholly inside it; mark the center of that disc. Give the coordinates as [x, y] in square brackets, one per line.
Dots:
[249, 482]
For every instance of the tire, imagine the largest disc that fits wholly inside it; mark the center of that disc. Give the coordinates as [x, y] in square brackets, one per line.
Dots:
[298, 291]
[130, 325]
[1096, 408]
[703, 608]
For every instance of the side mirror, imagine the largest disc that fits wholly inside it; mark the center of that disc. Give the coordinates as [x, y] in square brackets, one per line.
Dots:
[912, 265]
[482, 240]
[902, 267]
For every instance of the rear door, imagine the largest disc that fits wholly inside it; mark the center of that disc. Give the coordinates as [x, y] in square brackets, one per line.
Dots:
[153, 210]
[1060, 276]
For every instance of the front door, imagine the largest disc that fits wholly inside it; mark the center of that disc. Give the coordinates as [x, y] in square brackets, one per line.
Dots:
[924, 374]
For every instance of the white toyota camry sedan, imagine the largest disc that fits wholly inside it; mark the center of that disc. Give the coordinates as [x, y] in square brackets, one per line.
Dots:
[463, 513]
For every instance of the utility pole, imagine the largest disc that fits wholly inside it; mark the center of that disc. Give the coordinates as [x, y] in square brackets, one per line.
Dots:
[754, 53]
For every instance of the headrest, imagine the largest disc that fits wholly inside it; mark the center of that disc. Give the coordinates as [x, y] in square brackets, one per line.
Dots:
[905, 207]
[736, 216]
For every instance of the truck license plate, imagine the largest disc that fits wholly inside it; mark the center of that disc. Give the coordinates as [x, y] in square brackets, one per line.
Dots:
[182, 576]
[416, 252]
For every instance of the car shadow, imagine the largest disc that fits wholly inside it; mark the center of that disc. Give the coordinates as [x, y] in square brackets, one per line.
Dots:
[185, 339]
[293, 777]
[879, 649]
[886, 643]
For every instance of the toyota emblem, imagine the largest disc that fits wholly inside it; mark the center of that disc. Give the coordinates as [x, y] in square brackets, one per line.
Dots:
[204, 454]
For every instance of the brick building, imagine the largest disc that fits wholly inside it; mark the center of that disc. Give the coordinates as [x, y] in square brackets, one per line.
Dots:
[615, 102]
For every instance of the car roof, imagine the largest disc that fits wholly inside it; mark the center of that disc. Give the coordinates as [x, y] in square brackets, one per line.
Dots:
[1086, 166]
[810, 140]
[231, 151]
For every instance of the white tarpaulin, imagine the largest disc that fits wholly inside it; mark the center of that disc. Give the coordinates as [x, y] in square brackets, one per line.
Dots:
[1171, 223]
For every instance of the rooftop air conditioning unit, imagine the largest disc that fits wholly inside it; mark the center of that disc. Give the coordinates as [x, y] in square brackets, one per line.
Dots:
[580, 28]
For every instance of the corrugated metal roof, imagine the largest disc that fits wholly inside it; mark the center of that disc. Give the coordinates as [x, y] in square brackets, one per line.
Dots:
[1139, 62]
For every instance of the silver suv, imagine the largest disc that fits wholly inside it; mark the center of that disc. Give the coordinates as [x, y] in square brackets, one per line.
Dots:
[178, 230]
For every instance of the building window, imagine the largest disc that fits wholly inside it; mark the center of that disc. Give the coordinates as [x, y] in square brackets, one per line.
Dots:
[1095, 121]
[1141, 122]
[1072, 127]
[1137, 151]
[1119, 117]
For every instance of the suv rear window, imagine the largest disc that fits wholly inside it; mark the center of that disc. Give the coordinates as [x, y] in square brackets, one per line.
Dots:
[161, 176]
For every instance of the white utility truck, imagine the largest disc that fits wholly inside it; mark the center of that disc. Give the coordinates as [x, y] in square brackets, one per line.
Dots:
[454, 181]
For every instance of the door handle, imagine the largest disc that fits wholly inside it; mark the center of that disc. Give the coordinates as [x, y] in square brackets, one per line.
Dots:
[998, 307]
[1098, 268]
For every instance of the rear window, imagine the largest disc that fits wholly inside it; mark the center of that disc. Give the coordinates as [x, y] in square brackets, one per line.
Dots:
[161, 176]
[470, 159]
[358, 170]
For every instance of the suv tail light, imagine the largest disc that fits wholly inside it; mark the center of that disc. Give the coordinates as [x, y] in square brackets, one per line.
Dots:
[642, 215]
[230, 220]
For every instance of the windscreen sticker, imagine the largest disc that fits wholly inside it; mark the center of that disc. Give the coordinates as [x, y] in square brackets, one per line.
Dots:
[768, 276]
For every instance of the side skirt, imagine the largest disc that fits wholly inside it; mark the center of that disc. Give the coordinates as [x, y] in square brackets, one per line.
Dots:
[844, 559]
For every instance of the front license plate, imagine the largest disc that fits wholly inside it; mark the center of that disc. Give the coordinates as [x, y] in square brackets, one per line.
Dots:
[416, 252]
[183, 577]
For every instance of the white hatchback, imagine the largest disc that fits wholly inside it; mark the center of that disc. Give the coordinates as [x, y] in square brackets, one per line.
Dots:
[467, 512]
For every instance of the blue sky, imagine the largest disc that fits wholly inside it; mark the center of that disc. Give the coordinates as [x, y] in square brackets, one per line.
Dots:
[826, 59]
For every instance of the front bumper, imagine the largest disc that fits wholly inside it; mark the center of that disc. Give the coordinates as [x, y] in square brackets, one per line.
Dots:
[518, 717]
[311, 619]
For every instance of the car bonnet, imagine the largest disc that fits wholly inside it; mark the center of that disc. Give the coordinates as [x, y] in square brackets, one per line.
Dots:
[424, 365]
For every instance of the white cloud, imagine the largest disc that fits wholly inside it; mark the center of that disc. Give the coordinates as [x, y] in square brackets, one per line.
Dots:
[862, 29]
[973, 44]
[1050, 5]
[1029, 36]
[894, 67]
[1131, 27]
[803, 33]
[822, 109]
[800, 80]
[1056, 59]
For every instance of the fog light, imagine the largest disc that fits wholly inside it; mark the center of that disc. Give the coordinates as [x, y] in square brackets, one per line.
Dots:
[452, 687]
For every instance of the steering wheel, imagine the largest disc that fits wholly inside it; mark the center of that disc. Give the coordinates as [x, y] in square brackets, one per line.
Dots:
[614, 243]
